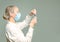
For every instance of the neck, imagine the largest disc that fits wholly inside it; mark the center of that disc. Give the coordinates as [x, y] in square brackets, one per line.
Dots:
[12, 20]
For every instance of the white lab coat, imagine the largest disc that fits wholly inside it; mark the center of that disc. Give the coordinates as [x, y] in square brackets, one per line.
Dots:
[14, 31]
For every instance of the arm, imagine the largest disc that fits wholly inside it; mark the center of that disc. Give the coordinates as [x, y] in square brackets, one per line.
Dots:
[29, 34]
[27, 20]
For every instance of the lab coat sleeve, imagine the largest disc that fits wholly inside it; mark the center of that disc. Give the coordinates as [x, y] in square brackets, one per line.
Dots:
[25, 22]
[29, 34]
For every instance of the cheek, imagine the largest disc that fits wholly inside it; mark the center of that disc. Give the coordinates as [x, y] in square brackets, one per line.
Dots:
[14, 16]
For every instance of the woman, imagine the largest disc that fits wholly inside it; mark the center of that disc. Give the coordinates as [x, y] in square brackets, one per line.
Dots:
[14, 29]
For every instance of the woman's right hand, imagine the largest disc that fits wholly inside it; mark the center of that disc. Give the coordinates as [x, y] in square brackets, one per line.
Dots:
[33, 12]
[33, 22]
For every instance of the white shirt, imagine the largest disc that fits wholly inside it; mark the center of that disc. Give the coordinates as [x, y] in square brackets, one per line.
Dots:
[14, 31]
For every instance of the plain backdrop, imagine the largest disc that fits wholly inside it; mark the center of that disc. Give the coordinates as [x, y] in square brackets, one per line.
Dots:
[48, 13]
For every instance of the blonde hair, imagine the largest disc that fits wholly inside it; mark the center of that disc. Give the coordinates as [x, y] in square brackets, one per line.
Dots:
[9, 9]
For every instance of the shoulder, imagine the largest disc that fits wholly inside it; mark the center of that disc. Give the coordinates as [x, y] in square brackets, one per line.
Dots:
[9, 26]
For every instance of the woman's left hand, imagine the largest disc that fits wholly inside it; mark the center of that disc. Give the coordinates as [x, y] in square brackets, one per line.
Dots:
[33, 22]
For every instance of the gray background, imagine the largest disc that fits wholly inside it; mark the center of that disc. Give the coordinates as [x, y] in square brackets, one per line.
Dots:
[48, 13]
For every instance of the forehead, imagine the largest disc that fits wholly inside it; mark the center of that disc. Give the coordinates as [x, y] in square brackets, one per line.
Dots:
[16, 9]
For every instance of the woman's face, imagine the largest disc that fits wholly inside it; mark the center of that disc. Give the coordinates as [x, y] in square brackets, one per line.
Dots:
[16, 10]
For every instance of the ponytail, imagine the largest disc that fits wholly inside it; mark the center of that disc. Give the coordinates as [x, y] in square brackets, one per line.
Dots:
[5, 17]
